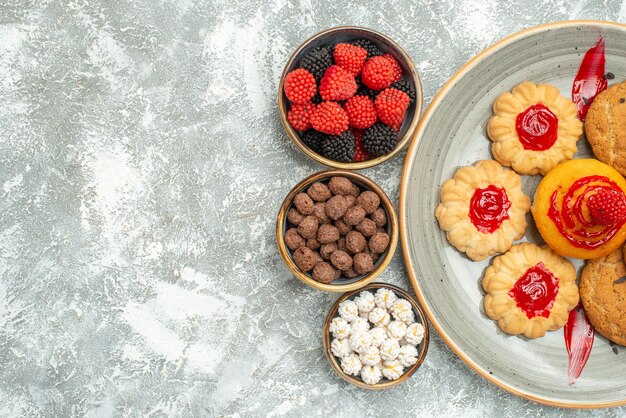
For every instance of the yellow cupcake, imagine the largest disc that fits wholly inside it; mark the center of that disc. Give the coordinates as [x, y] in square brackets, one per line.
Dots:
[561, 209]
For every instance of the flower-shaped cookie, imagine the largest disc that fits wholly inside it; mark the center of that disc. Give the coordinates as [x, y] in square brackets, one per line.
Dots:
[530, 290]
[533, 128]
[483, 209]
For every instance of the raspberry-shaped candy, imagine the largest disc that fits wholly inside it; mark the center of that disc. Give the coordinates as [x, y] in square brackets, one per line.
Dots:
[337, 84]
[361, 111]
[607, 207]
[329, 118]
[300, 86]
[395, 66]
[378, 73]
[299, 116]
[350, 57]
[361, 153]
[391, 105]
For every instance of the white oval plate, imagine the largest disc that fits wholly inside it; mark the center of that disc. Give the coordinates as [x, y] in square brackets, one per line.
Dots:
[452, 134]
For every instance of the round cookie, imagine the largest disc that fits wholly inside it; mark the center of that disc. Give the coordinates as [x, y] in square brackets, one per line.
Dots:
[533, 128]
[530, 290]
[483, 209]
[605, 126]
[604, 300]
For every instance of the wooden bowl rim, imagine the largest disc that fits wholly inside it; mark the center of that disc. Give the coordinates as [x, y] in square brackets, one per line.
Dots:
[387, 383]
[410, 132]
[392, 219]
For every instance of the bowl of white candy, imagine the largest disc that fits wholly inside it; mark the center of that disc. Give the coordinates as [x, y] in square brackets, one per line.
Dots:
[376, 337]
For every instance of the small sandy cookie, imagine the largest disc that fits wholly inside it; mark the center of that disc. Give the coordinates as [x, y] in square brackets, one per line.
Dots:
[530, 290]
[483, 209]
[604, 296]
[605, 126]
[533, 128]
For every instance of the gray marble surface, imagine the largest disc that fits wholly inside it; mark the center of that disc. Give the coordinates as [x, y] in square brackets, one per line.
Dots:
[142, 164]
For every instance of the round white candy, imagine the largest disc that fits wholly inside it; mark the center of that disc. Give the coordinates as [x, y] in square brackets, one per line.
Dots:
[371, 374]
[379, 317]
[365, 302]
[348, 310]
[403, 311]
[351, 364]
[360, 341]
[385, 298]
[340, 348]
[340, 328]
[396, 329]
[392, 369]
[408, 355]
[389, 349]
[360, 324]
[378, 334]
[370, 357]
[414, 333]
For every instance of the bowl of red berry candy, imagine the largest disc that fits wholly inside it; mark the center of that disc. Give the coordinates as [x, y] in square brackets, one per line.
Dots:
[350, 97]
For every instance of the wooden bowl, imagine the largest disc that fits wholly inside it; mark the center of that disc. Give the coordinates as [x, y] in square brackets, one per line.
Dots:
[387, 45]
[341, 284]
[422, 348]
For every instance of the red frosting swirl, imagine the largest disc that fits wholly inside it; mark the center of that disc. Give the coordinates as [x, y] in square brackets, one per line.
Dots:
[537, 128]
[535, 292]
[489, 208]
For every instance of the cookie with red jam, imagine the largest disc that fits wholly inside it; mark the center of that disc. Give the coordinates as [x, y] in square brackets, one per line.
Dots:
[530, 290]
[483, 209]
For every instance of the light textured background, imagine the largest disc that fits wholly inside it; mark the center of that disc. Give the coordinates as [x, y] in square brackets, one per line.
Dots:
[142, 164]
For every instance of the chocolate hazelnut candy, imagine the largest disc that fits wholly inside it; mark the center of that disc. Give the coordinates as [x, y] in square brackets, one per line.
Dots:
[327, 233]
[340, 186]
[319, 210]
[293, 240]
[341, 244]
[323, 272]
[318, 257]
[303, 203]
[367, 227]
[355, 191]
[308, 227]
[341, 260]
[351, 199]
[355, 242]
[379, 242]
[304, 258]
[379, 217]
[350, 273]
[354, 215]
[294, 216]
[313, 244]
[363, 263]
[336, 207]
[369, 200]
[337, 274]
[342, 227]
[327, 249]
[319, 192]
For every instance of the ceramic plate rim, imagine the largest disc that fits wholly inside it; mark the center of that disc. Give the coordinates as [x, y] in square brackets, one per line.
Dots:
[408, 162]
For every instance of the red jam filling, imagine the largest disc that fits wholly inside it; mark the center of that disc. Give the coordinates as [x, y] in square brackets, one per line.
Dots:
[535, 292]
[579, 335]
[570, 220]
[537, 128]
[589, 81]
[489, 208]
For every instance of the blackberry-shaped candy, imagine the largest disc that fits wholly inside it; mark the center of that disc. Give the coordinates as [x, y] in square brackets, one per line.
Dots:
[317, 61]
[406, 87]
[369, 46]
[363, 90]
[379, 140]
[313, 139]
[341, 148]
